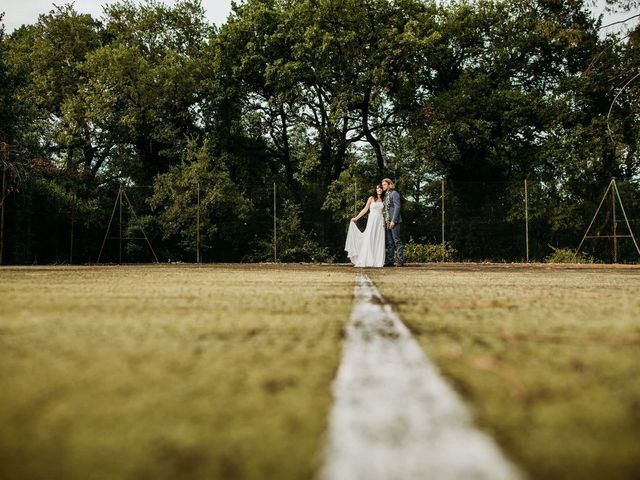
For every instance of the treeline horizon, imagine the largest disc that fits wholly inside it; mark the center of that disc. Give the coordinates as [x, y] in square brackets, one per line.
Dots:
[322, 98]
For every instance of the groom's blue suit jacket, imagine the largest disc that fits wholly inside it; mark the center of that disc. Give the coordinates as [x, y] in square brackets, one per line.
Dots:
[394, 207]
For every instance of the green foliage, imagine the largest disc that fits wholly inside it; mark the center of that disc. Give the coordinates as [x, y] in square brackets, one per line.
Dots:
[338, 82]
[47, 57]
[427, 252]
[5, 87]
[343, 201]
[294, 244]
[325, 103]
[568, 255]
[142, 88]
[222, 208]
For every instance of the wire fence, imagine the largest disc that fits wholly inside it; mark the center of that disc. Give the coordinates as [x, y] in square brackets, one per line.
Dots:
[531, 221]
[479, 221]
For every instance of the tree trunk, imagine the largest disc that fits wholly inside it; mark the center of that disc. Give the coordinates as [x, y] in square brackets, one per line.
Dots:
[373, 141]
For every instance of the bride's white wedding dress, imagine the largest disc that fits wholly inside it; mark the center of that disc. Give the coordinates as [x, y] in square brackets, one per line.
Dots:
[366, 249]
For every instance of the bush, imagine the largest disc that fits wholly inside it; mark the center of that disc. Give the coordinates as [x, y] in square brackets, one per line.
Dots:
[295, 244]
[427, 252]
[568, 255]
[309, 251]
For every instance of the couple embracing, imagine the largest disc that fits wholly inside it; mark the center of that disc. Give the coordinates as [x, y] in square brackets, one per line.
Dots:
[367, 249]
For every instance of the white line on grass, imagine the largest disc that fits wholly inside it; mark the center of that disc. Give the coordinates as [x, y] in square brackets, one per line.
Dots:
[394, 416]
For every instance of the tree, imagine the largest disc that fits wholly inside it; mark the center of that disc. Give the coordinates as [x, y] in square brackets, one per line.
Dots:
[200, 189]
[336, 78]
[323, 98]
[45, 61]
[140, 100]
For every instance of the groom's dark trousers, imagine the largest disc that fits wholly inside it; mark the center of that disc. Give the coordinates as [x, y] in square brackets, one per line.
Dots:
[393, 240]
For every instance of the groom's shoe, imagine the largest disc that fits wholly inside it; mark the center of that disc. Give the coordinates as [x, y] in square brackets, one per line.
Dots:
[388, 264]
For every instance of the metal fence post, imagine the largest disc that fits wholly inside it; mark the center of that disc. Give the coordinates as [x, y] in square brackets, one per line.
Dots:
[526, 216]
[443, 205]
[355, 197]
[615, 227]
[198, 226]
[275, 227]
[73, 218]
[120, 236]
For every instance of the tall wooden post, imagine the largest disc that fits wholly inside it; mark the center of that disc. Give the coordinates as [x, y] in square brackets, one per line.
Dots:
[615, 193]
[73, 215]
[355, 197]
[198, 227]
[275, 227]
[615, 227]
[443, 205]
[626, 219]
[526, 216]
[120, 235]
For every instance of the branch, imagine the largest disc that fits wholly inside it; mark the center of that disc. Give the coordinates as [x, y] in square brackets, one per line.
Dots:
[614, 101]
[622, 74]
[355, 138]
[619, 21]
[603, 51]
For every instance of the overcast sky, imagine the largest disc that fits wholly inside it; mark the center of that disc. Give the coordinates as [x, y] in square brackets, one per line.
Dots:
[19, 12]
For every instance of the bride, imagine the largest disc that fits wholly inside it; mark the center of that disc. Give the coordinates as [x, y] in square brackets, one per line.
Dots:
[366, 249]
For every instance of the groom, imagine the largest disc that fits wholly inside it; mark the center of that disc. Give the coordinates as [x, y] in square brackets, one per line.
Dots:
[392, 220]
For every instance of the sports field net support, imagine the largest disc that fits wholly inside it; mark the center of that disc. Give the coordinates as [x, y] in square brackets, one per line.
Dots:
[526, 216]
[355, 198]
[520, 221]
[4, 154]
[443, 217]
[275, 225]
[118, 205]
[482, 220]
[476, 221]
[198, 257]
[616, 200]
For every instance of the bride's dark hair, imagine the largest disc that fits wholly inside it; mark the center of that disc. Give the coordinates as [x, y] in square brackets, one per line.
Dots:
[375, 192]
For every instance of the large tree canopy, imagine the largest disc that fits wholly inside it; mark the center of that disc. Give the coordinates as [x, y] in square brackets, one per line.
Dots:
[321, 98]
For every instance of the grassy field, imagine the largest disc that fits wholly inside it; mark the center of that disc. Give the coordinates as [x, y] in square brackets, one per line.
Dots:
[547, 357]
[224, 372]
[167, 372]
